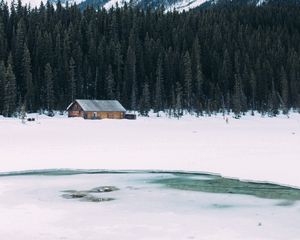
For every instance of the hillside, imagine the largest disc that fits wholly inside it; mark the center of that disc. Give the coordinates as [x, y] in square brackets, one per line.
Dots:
[221, 59]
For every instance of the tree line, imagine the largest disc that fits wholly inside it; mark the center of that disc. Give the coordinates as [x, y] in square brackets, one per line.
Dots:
[236, 58]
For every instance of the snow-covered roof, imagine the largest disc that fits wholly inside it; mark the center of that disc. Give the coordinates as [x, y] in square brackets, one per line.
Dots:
[99, 105]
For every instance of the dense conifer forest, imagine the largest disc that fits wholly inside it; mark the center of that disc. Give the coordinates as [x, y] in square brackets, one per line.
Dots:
[225, 58]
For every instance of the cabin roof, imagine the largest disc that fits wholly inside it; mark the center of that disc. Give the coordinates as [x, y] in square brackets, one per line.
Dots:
[99, 105]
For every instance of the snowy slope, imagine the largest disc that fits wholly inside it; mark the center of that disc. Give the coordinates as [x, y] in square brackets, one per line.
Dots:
[255, 148]
[185, 5]
[114, 3]
[36, 3]
[32, 3]
[170, 5]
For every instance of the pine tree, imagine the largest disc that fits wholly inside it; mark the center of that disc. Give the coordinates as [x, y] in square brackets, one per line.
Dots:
[284, 90]
[10, 97]
[294, 76]
[3, 41]
[272, 101]
[2, 82]
[133, 104]
[89, 83]
[48, 75]
[158, 102]
[178, 96]
[237, 96]
[27, 78]
[187, 80]
[96, 83]
[118, 62]
[110, 88]
[199, 79]
[145, 100]
[68, 71]
[226, 72]
[252, 83]
[23, 113]
[58, 84]
[19, 53]
[72, 79]
[129, 85]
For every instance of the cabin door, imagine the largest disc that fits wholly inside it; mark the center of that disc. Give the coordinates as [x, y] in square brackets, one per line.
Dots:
[95, 115]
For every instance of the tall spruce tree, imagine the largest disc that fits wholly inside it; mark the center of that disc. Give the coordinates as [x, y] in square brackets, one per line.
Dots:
[284, 90]
[187, 80]
[2, 84]
[145, 100]
[19, 54]
[10, 97]
[252, 82]
[226, 73]
[110, 87]
[198, 79]
[129, 86]
[237, 105]
[3, 41]
[72, 80]
[133, 103]
[158, 99]
[178, 96]
[48, 75]
[27, 78]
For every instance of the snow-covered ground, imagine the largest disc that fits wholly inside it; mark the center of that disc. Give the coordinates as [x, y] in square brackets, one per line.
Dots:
[31, 207]
[252, 148]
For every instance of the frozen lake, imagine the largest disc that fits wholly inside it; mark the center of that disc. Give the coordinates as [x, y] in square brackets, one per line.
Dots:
[144, 205]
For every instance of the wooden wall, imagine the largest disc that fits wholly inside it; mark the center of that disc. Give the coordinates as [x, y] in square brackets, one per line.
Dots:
[75, 111]
[102, 115]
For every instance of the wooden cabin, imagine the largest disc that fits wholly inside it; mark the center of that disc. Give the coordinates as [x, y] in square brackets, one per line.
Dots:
[96, 109]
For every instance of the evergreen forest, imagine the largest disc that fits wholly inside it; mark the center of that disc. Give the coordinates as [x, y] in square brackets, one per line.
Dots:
[235, 58]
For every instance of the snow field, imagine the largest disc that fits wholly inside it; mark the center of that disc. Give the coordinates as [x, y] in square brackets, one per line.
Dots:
[250, 148]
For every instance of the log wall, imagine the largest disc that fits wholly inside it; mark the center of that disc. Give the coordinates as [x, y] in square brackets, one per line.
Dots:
[103, 115]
